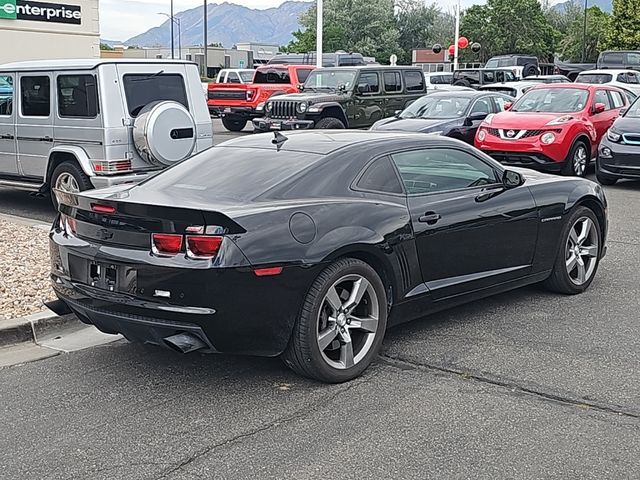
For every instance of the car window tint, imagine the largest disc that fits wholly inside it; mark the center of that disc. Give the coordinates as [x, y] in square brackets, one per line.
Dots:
[272, 75]
[633, 59]
[77, 96]
[392, 82]
[370, 81]
[488, 77]
[6, 95]
[613, 58]
[438, 169]
[233, 78]
[229, 173]
[303, 75]
[602, 97]
[380, 176]
[500, 103]
[482, 105]
[141, 89]
[247, 77]
[617, 99]
[632, 77]
[414, 81]
[35, 96]
[622, 78]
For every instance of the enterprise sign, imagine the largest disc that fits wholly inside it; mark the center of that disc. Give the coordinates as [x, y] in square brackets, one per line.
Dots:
[40, 12]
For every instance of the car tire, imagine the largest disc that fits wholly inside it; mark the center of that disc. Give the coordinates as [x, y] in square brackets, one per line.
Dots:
[329, 123]
[577, 161]
[462, 83]
[69, 177]
[234, 124]
[328, 320]
[578, 254]
[605, 179]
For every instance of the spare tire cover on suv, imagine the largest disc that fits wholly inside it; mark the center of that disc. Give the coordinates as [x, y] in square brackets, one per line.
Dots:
[164, 133]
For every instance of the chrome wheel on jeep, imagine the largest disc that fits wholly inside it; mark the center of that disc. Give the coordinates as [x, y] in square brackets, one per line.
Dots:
[66, 183]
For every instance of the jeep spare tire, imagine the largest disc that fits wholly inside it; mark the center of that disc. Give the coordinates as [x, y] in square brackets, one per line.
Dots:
[164, 133]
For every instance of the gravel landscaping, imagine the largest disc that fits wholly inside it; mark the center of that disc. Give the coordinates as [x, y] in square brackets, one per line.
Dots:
[24, 269]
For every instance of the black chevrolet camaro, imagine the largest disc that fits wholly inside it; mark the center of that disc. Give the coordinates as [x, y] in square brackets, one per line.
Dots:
[309, 246]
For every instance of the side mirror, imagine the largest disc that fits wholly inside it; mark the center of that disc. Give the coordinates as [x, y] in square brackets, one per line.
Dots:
[476, 117]
[598, 108]
[507, 106]
[300, 87]
[363, 88]
[512, 179]
[397, 113]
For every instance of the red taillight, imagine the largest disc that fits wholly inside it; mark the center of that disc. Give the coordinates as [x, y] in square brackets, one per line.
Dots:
[203, 246]
[96, 207]
[267, 272]
[166, 243]
[250, 94]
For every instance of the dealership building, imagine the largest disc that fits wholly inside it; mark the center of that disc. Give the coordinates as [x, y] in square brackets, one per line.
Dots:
[42, 30]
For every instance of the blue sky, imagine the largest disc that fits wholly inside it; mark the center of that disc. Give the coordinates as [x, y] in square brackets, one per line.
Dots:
[120, 19]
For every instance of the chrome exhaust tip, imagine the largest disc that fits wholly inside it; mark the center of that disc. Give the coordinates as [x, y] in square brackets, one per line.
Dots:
[184, 343]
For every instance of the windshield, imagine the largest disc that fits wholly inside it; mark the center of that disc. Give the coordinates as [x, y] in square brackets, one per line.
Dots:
[272, 75]
[634, 110]
[247, 77]
[552, 100]
[436, 107]
[598, 78]
[330, 79]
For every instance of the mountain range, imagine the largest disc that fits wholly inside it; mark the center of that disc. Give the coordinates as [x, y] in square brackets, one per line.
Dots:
[604, 5]
[228, 24]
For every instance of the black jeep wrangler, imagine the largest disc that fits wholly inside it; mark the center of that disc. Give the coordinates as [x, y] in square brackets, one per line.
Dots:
[344, 97]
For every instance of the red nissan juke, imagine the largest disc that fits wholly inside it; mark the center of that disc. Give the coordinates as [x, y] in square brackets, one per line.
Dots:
[554, 128]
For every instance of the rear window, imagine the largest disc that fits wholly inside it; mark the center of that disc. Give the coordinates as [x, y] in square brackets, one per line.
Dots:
[142, 89]
[594, 78]
[228, 173]
[614, 58]
[272, 75]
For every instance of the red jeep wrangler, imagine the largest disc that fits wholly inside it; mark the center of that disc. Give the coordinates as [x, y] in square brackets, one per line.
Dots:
[239, 103]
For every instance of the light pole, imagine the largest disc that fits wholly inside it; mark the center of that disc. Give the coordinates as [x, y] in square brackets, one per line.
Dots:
[171, 17]
[206, 66]
[175, 20]
[457, 37]
[319, 28]
[584, 33]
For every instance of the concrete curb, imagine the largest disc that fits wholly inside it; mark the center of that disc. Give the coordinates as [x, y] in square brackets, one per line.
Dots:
[29, 328]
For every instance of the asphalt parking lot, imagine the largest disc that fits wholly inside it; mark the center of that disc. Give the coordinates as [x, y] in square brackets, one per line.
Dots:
[524, 385]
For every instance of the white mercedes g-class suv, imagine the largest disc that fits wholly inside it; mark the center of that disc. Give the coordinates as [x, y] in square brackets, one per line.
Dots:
[74, 125]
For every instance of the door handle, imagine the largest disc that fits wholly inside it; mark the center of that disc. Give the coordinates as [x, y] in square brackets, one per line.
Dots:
[7, 137]
[46, 139]
[430, 218]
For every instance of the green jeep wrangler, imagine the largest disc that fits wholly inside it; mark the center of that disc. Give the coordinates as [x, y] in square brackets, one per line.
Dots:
[344, 97]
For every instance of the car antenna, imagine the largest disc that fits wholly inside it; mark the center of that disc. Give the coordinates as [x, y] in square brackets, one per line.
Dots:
[279, 140]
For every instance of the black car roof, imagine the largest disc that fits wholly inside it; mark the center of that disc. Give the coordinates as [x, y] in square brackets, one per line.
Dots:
[324, 142]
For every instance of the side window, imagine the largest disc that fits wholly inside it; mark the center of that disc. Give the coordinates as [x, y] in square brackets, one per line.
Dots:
[488, 77]
[613, 58]
[500, 103]
[370, 82]
[35, 96]
[482, 105]
[622, 78]
[602, 97]
[633, 59]
[303, 75]
[632, 77]
[414, 81]
[380, 176]
[438, 170]
[6, 95]
[618, 101]
[233, 78]
[77, 96]
[392, 82]
[500, 77]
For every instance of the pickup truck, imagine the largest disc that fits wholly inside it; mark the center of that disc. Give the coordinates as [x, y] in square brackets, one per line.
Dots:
[237, 104]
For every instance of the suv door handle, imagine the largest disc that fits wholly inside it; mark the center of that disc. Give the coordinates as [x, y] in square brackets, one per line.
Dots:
[7, 137]
[430, 218]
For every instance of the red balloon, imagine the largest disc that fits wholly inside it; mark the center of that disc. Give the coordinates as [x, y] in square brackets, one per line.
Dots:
[463, 42]
[452, 50]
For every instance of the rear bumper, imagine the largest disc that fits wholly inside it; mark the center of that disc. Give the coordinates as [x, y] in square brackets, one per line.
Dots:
[618, 160]
[103, 181]
[269, 124]
[231, 309]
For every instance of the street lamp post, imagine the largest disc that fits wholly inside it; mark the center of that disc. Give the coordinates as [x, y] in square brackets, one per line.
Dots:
[175, 20]
[457, 37]
[584, 33]
[205, 40]
[171, 23]
[319, 30]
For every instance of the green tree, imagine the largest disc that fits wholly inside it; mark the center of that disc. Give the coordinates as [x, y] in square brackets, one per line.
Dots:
[510, 26]
[417, 26]
[623, 30]
[365, 26]
[105, 46]
[571, 46]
